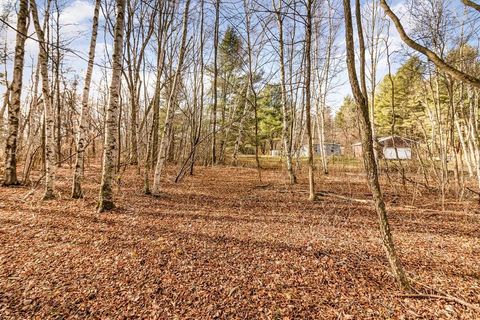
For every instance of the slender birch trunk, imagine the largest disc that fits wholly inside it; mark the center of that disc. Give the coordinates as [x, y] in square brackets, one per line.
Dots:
[110, 144]
[215, 82]
[48, 108]
[14, 105]
[81, 142]
[58, 105]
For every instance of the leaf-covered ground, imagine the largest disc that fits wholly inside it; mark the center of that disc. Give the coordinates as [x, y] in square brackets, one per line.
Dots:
[223, 245]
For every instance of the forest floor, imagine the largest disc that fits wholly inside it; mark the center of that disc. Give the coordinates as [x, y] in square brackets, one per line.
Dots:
[224, 245]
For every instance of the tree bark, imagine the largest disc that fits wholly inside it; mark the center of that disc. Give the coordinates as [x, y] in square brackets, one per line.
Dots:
[58, 106]
[48, 108]
[110, 145]
[287, 143]
[163, 148]
[438, 61]
[308, 98]
[471, 4]
[81, 142]
[14, 105]
[215, 81]
[361, 100]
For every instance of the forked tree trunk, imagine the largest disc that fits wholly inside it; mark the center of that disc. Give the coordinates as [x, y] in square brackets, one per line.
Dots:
[48, 109]
[14, 106]
[361, 100]
[110, 144]
[82, 143]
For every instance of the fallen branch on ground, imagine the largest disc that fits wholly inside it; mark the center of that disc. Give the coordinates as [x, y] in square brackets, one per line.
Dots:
[437, 295]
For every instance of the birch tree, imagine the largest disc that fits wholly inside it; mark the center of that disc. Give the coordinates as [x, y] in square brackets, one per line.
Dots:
[48, 112]
[110, 144]
[14, 105]
[82, 133]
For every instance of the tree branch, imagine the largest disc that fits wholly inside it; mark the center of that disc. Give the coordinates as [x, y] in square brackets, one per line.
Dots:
[432, 56]
[471, 4]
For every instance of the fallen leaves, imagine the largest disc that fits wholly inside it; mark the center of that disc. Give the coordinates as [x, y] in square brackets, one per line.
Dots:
[221, 245]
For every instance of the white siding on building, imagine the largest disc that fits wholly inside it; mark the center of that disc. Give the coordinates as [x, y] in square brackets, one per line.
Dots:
[403, 153]
[331, 149]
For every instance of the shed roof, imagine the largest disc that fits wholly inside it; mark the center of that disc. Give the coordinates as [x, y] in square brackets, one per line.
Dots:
[396, 141]
[390, 141]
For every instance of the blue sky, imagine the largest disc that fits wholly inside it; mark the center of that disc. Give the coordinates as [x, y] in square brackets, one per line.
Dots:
[76, 25]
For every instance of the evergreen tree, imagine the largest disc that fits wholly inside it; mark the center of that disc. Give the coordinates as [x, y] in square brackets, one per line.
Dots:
[407, 112]
[346, 120]
[270, 115]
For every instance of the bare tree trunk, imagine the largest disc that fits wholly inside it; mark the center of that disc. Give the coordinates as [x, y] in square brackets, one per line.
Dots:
[198, 129]
[361, 100]
[215, 81]
[432, 56]
[48, 109]
[287, 143]
[14, 105]
[110, 144]
[308, 98]
[251, 76]
[163, 148]
[82, 143]
[58, 106]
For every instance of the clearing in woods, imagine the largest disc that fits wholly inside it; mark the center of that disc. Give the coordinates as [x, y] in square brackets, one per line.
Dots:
[222, 244]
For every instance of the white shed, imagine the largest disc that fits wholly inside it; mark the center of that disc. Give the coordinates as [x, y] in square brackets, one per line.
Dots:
[391, 148]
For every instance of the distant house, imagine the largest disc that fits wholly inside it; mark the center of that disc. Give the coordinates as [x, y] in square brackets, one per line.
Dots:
[331, 149]
[392, 148]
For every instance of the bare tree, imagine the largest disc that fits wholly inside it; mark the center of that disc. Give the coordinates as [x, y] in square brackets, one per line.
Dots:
[437, 60]
[48, 109]
[172, 99]
[215, 81]
[361, 98]
[287, 142]
[82, 133]
[110, 145]
[14, 105]
[308, 97]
